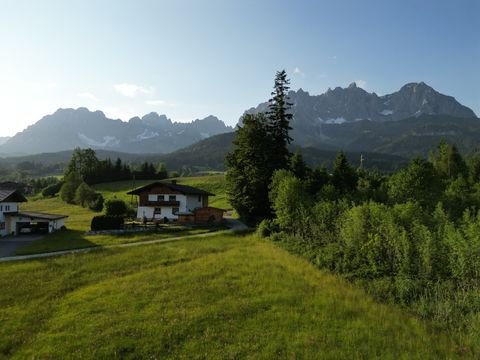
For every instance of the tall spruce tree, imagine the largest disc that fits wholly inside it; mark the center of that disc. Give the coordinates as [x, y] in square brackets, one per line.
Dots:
[279, 117]
[260, 149]
[249, 174]
[344, 176]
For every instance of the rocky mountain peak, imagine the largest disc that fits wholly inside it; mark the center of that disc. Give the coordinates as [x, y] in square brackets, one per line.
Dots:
[156, 121]
[352, 104]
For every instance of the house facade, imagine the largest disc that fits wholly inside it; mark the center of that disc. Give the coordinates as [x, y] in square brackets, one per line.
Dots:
[173, 201]
[16, 222]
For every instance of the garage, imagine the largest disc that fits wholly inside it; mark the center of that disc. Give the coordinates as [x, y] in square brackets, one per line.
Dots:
[31, 223]
[33, 227]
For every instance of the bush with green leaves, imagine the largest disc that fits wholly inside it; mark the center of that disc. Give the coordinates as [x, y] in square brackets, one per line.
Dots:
[266, 228]
[71, 182]
[84, 195]
[116, 207]
[52, 190]
[105, 222]
[96, 203]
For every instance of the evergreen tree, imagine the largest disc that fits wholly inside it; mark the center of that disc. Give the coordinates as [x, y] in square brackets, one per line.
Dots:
[344, 176]
[298, 166]
[162, 172]
[279, 117]
[249, 172]
[317, 178]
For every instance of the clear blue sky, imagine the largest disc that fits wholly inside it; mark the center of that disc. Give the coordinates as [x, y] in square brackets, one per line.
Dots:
[189, 59]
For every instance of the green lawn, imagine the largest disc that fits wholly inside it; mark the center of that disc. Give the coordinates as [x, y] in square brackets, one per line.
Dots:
[228, 296]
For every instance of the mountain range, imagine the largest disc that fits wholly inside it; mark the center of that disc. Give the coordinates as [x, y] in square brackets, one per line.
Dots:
[70, 128]
[405, 123]
[313, 114]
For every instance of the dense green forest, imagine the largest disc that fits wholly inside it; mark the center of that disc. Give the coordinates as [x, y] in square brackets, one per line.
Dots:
[411, 237]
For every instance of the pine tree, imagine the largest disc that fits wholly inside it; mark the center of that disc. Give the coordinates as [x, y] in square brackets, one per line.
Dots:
[249, 174]
[344, 176]
[298, 166]
[279, 117]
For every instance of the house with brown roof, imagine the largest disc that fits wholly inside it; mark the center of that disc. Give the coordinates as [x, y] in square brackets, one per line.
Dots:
[182, 203]
[15, 222]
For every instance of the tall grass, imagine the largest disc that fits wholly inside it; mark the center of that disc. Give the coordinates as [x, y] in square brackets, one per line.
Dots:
[225, 297]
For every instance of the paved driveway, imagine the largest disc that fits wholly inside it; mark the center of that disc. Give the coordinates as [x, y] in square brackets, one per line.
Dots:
[10, 244]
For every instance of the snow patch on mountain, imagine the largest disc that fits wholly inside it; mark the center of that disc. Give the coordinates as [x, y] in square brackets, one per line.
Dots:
[108, 141]
[146, 134]
[386, 112]
[338, 120]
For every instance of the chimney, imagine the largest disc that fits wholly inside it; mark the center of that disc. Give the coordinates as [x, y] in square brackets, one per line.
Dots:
[174, 182]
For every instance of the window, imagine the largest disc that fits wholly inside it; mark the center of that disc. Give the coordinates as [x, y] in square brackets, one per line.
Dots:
[172, 198]
[175, 211]
[160, 197]
[199, 198]
[1, 207]
[7, 207]
[158, 210]
[2, 226]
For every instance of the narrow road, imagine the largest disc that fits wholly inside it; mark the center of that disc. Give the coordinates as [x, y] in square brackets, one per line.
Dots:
[10, 244]
[236, 225]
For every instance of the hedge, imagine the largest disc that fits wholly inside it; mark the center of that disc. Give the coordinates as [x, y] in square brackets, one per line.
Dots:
[105, 222]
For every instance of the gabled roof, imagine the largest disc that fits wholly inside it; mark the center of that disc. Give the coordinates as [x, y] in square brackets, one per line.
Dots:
[184, 189]
[11, 195]
[35, 215]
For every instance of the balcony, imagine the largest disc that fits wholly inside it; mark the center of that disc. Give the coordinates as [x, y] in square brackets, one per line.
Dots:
[162, 203]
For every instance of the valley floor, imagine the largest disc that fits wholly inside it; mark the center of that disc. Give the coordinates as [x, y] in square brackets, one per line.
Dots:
[226, 296]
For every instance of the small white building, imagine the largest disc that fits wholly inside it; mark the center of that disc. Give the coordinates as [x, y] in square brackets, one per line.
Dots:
[162, 200]
[16, 222]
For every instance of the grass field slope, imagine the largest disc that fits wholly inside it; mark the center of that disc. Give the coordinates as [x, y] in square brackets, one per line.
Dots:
[228, 296]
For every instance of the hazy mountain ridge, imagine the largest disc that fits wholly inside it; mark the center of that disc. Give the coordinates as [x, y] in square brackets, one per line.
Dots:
[70, 128]
[349, 118]
[209, 154]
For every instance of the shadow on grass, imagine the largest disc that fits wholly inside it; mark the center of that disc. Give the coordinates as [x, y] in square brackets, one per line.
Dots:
[58, 241]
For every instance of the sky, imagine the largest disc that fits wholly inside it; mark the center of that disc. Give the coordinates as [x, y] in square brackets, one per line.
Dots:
[190, 59]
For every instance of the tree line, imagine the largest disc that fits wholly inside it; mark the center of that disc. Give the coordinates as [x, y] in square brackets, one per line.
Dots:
[95, 171]
[411, 237]
[85, 169]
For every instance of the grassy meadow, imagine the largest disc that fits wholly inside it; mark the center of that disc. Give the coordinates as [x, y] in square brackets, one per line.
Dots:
[227, 296]
[79, 218]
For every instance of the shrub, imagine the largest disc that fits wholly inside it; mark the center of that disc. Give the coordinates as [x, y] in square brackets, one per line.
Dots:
[96, 204]
[266, 228]
[116, 207]
[105, 222]
[52, 190]
[84, 194]
[68, 189]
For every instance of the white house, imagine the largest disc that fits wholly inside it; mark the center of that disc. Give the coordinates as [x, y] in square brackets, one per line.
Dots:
[161, 200]
[15, 222]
